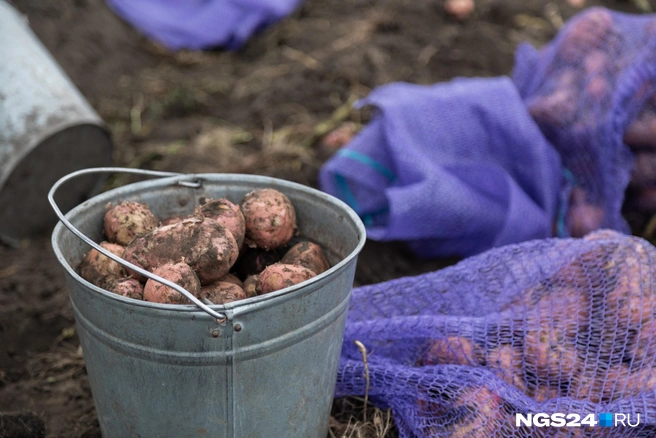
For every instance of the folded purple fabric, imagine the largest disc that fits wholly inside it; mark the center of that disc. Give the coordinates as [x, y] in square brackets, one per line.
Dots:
[202, 24]
[452, 168]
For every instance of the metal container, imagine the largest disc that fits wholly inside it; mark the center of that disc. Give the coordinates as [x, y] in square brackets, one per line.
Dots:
[262, 367]
[47, 130]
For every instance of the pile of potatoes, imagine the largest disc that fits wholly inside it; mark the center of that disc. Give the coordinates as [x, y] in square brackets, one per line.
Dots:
[221, 253]
[588, 332]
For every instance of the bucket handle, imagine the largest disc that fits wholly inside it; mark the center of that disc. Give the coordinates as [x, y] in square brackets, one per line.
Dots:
[193, 182]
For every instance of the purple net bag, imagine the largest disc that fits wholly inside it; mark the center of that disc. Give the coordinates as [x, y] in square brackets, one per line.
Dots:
[547, 326]
[591, 90]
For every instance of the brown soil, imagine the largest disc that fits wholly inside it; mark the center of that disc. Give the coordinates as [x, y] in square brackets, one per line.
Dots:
[255, 111]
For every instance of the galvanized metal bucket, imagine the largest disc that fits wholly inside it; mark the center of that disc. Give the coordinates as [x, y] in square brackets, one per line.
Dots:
[262, 367]
[47, 130]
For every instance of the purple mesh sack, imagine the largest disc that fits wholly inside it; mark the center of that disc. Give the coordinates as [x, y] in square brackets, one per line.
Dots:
[453, 168]
[427, 168]
[202, 24]
[547, 326]
[589, 90]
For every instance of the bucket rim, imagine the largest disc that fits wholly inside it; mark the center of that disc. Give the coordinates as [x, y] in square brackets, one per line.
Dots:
[225, 178]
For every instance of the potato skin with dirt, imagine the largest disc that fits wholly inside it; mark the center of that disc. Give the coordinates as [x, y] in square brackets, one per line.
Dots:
[250, 286]
[455, 350]
[99, 269]
[270, 218]
[205, 245]
[309, 255]
[280, 276]
[127, 220]
[127, 287]
[231, 278]
[227, 214]
[180, 274]
[223, 292]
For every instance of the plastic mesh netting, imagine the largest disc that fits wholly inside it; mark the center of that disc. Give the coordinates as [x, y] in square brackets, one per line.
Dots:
[557, 325]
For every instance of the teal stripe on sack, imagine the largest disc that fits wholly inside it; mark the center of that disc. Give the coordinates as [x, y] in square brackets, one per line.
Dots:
[367, 161]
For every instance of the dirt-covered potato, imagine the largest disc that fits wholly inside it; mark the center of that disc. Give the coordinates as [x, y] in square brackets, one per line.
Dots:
[227, 214]
[644, 169]
[543, 392]
[250, 286]
[455, 350]
[309, 255]
[127, 220]
[631, 301]
[172, 220]
[99, 269]
[506, 362]
[270, 218]
[231, 278]
[222, 292]
[178, 273]
[550, 351]
[205, 245]
[279, 276]
[643, 350]
[484, 415]
[127, 287]
[583, 216]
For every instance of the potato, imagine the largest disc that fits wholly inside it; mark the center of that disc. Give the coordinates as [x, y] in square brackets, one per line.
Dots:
[485, 414]
[598, 89]
[222, 292]
[643, 350]
[642, 131]
[542, 393]
[590, 30]
[270, 218]
[250, 286]
[127, 220]
[172, 220]
[583, 216]
[100, 270]
[550, 351]
[127, 287]
[205, 245]
[227, 214]
[506, 362]
[450, 350]
[339, 137]
[558, 107]
[644, 169]
[180, 274]
[459, 9]
[231, 278]
[631, 301]
[279, 276]
[309, 255]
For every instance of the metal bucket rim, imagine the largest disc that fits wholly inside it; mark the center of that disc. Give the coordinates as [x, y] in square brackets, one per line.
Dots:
[225, 178]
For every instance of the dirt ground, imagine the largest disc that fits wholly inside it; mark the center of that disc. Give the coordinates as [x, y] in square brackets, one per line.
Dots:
[259, 110]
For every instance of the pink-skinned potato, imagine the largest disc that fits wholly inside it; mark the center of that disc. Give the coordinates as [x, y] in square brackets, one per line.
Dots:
[232, 278]
[455, 350]
[583, 216]
[227, 214]
[127, 220]
[309, 255]
[205, 245]
[99, 269]
[222, 292]
[270, 218]
[250, 286]
[642, 131]
[127, 287]
[178, 273]
[280, 276]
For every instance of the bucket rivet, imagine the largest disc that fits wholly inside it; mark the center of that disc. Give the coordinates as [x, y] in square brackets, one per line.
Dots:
[215, 333]
[237, 327]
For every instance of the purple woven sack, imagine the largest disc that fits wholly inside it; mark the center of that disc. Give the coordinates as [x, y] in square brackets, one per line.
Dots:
[546, 326]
